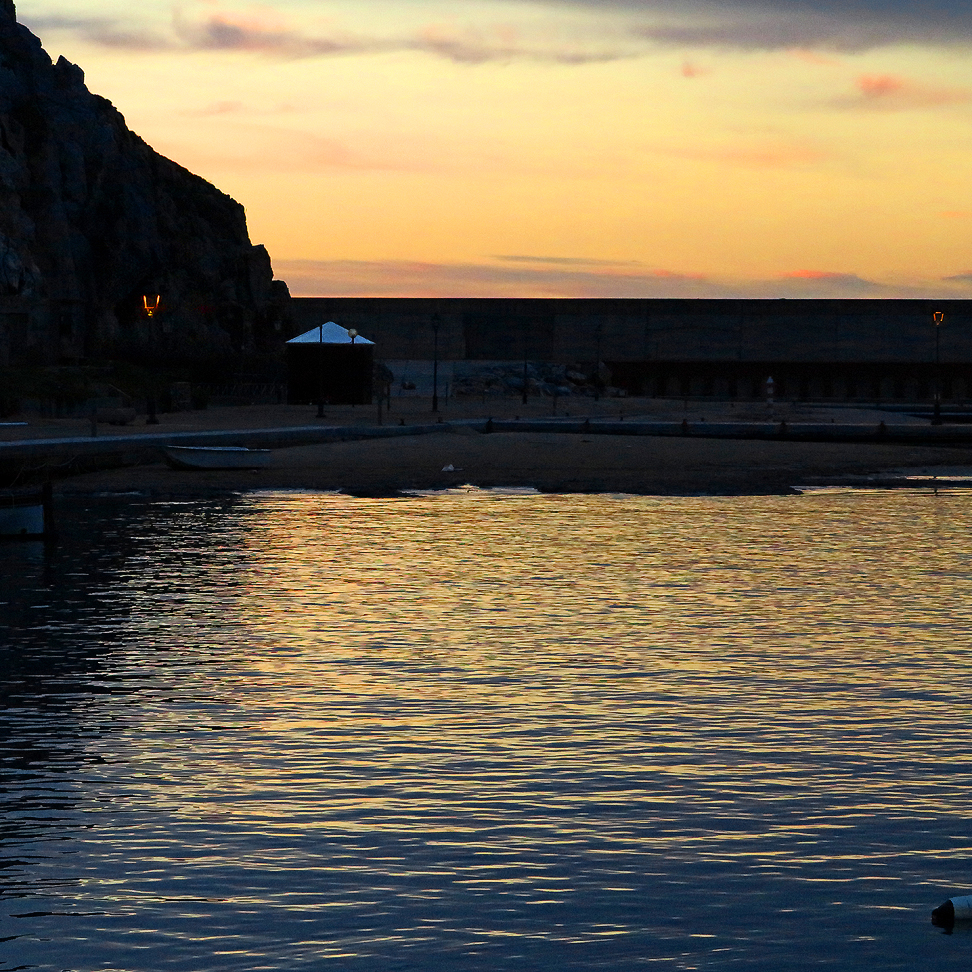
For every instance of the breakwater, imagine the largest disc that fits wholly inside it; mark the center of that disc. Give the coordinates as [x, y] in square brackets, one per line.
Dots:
[790, 431]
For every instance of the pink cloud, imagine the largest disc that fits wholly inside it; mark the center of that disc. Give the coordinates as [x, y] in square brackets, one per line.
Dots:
[547, 278]
[266, 32]
[270, 35]
[501, 43]
[690, 70]
[269, 148]
[402, 278]
[894, 92]
[263, 34]
[879, 85]
[956, 214]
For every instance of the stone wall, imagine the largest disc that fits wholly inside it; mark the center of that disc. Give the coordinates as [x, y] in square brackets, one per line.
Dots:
[632, 330]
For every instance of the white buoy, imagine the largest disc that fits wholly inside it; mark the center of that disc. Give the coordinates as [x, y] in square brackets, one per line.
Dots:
[953, 910]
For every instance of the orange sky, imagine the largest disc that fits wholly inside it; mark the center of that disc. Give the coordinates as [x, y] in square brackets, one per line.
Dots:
[755, 147]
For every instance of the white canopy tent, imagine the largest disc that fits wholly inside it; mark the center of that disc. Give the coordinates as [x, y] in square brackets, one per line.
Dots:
[325, 364]
[329, 333]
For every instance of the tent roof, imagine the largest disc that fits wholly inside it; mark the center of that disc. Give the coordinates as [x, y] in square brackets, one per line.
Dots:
[330, 333]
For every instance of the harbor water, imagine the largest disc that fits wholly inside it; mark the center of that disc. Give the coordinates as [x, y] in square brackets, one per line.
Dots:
[486, 731]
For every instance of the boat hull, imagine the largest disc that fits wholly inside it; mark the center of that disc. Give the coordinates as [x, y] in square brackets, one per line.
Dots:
[216, 457]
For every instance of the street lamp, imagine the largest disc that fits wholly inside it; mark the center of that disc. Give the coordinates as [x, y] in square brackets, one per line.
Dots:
[435, 362]
[938, 317]
[150, 308]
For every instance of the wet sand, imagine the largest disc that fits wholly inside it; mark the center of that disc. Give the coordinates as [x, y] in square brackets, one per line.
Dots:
[546, 461]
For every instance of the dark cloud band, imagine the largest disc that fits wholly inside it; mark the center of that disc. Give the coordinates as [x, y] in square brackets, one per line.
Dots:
[774, 24]
[566, 277]
[222, 33]
[854, 25]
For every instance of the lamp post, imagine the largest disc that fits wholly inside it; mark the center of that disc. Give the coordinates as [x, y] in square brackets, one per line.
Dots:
[526, 369]
[597, 366]
[150, 309]
[938, 317]
[435, 362]
[320, 373]
[352, 333]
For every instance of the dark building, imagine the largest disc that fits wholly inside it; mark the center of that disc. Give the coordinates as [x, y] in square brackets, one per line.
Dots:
[327, 364]
[813, 349]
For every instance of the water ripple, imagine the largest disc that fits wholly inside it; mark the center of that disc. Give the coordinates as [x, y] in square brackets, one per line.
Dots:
[481, 731]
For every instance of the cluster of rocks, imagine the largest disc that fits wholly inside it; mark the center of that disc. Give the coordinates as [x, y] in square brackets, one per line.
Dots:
[93, 220]
[542, 379]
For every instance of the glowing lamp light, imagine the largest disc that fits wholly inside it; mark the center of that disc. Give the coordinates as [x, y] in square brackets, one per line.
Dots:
[938, 317]
[150, 307]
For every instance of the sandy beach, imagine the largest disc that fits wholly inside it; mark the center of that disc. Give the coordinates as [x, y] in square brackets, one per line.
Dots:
[546, 461]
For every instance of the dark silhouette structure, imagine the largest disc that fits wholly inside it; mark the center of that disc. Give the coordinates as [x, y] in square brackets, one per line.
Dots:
[328, 366]
[837, 349]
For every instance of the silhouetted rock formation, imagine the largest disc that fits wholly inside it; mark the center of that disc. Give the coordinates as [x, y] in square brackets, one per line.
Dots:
[92, 219]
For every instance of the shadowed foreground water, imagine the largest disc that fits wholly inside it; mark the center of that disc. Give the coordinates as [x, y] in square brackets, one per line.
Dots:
[284, 731]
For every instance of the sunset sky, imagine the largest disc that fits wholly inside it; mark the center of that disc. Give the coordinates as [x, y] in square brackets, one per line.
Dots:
[600, 148]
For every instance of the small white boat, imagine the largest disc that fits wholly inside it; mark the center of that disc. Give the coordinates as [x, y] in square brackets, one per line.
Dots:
[216, 457]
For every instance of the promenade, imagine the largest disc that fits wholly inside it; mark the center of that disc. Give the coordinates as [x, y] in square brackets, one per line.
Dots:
[615, 445]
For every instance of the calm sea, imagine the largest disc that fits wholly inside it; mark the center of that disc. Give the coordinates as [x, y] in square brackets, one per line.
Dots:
[480, 731]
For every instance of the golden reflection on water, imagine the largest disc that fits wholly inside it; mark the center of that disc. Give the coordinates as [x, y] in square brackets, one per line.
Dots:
[465, 720]
[720, 652]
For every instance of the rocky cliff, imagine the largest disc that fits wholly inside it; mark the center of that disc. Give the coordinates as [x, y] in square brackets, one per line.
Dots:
[92, 219]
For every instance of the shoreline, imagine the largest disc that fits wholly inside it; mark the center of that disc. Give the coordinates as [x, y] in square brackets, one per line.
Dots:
[547, 462]
[653, 447]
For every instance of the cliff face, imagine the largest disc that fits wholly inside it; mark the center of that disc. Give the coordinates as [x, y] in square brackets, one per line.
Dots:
[92, 219]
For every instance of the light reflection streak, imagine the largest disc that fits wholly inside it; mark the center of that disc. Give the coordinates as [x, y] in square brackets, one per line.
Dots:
[570, 711]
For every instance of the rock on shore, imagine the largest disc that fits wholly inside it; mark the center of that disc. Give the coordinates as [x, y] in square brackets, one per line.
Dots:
[92, 219]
